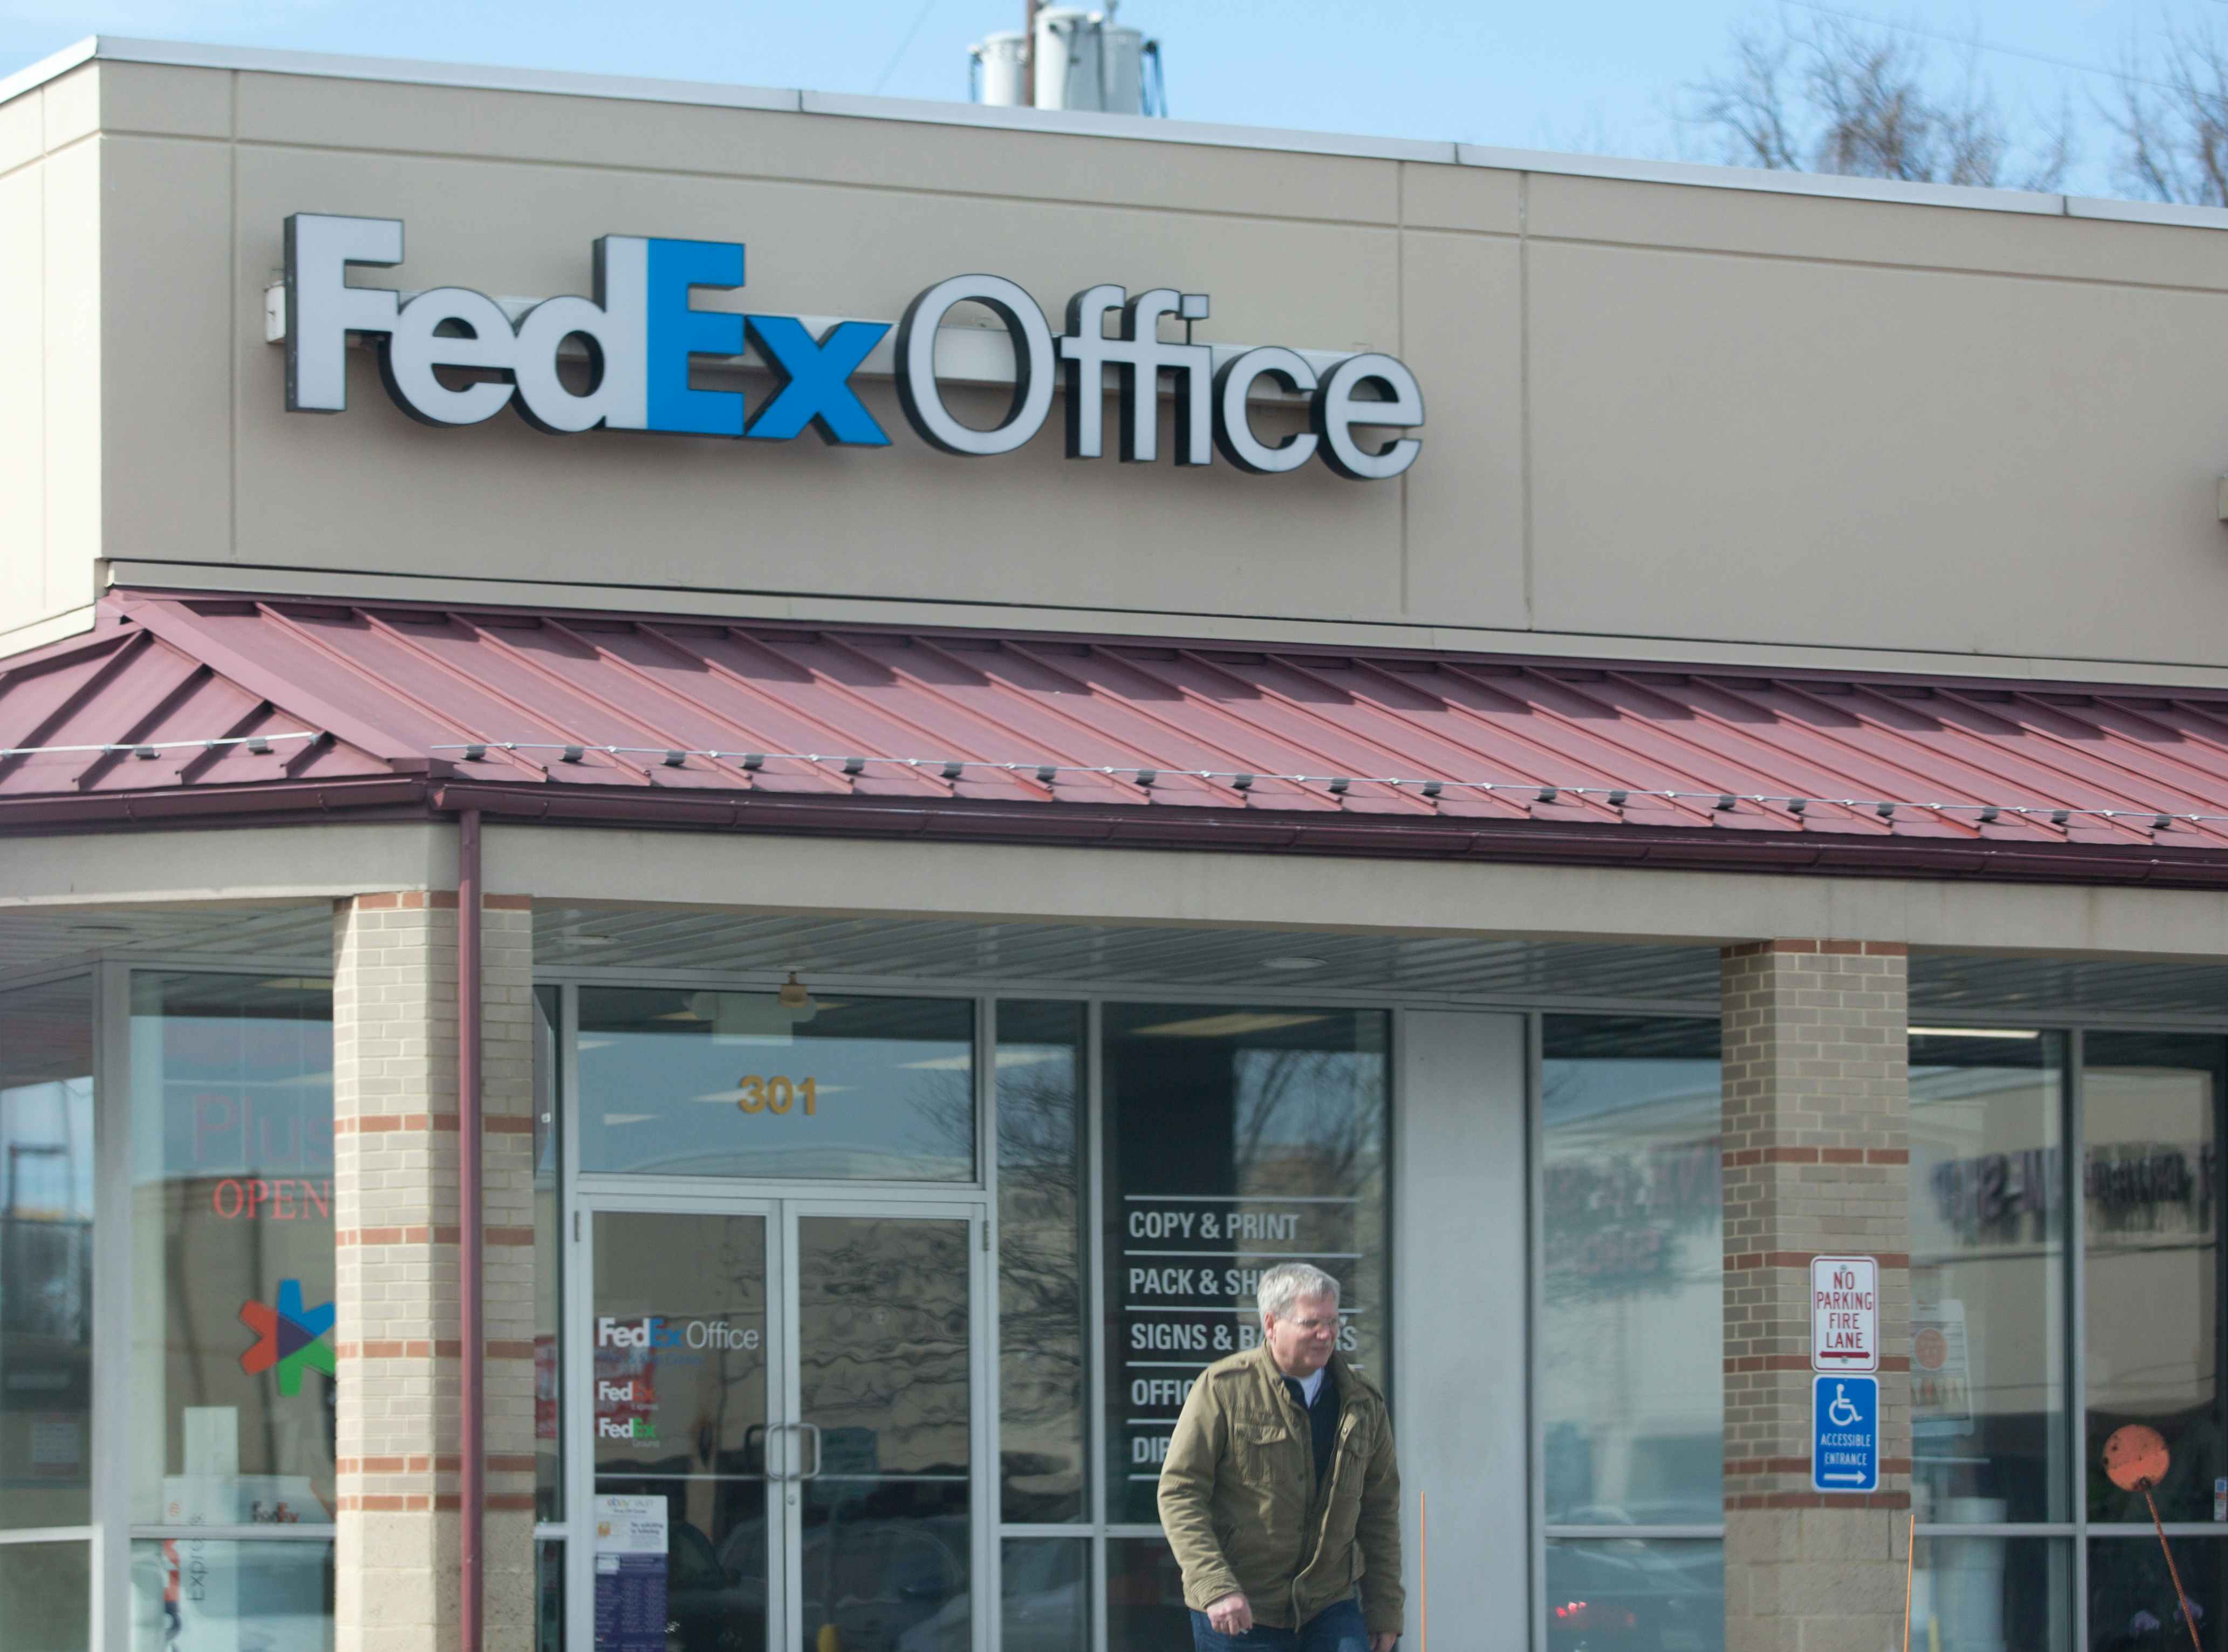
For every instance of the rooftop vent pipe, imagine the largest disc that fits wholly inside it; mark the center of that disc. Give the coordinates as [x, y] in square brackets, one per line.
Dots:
[1069, 58]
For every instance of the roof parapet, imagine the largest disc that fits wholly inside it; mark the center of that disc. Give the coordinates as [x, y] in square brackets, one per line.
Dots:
[1134, 128]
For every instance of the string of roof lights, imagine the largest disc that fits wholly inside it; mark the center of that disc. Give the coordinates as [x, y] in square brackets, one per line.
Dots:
[1243, 781]
[1146, 777]
[259, 745]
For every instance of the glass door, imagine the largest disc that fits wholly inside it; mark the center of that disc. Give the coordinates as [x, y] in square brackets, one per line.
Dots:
[884, 1505]
[785, 1405]
[686, 1438]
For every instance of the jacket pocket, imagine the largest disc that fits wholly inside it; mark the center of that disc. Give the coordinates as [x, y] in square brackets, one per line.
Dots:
[1263, 1448]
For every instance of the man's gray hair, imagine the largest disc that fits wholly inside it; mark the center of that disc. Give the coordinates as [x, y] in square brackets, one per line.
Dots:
[1286, 1283]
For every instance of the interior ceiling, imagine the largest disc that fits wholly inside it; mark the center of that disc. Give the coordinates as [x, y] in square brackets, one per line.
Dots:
[1078, 956]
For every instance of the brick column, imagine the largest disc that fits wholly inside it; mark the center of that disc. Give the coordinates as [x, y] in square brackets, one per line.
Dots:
[1816, 1126]
[396, 1332]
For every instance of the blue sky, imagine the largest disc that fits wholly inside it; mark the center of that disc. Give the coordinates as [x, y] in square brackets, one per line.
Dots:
[1602, 77]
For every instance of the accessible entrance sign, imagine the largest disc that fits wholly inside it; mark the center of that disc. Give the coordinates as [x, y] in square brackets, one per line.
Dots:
[1844, 1313]
[1845, 1434]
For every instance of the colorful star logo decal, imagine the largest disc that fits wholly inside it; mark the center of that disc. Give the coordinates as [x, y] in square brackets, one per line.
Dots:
[288, 1337]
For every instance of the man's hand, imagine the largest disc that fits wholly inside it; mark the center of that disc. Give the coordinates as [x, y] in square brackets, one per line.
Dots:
[1231, 1615]
[1382, 1640]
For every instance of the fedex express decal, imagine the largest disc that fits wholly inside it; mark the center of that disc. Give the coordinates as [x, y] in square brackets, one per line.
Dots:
[642, 333]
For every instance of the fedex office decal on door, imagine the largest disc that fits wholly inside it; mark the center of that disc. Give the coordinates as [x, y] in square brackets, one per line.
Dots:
[641, 333]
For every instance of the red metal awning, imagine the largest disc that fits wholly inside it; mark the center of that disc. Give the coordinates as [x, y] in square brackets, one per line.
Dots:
[184, 706]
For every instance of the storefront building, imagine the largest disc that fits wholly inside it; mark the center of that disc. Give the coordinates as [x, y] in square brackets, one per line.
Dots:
[622, 1030]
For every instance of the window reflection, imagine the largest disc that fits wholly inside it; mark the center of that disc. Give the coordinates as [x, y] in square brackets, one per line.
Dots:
[45, 1255]
[232, 1230]
[1237, 1138]
[1986, 1594]
[209, 1595]
[1988, 1279]
[1045, 1582]
[882, 1347]
[2150, 1105]
[2132, 1604]
[549, 1597]
[1145, 1610]
[1040, 1325]
[675, 1082]
[1634, 1592]
[1631, 1385]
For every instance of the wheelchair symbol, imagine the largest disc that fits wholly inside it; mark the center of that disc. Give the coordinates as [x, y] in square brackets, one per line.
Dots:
[1841, 1413]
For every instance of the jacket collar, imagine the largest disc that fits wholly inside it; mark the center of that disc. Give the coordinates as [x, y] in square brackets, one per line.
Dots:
[1349, 1384]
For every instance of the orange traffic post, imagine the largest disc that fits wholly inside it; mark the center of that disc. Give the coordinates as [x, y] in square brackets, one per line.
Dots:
[1423, 1571]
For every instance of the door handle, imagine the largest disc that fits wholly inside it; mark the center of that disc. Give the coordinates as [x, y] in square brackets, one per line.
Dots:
[813, 1428]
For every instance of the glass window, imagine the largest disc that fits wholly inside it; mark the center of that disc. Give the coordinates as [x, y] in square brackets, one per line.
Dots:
[1236, 1139]
[1042, 1359]
[232, 1234]
[46, 1596]
[549, 1265]
[45, 1258]
[1632, 1327]
[675, 1082]
[189, 1593]
[2132, 1605]
[2150, 1109]
[1985, 1594]
[1989, 1328]
[1047, 1585]
[1636, 1593]
[549, 1597]
[1145, 1610]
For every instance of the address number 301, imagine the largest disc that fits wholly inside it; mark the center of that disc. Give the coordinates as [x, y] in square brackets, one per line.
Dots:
[777, 1095]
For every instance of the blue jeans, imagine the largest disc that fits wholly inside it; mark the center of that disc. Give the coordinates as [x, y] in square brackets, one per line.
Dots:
[1337, 1630]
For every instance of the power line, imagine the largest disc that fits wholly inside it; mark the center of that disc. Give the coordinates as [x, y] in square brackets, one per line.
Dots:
[1978, 44]
[904, 46]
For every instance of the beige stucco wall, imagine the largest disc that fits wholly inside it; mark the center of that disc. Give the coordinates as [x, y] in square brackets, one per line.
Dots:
[998, 883]
[1663, 417]
[50, 289]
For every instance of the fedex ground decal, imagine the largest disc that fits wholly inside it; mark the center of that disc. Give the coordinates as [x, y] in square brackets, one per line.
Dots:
[625, 360]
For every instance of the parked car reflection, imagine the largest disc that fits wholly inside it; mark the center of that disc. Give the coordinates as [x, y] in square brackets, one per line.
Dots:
[1631, 1595]
[1045, 1607]
[874, 1579]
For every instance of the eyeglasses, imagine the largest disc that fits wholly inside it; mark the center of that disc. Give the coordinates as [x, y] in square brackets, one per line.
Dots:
[1311, 1326]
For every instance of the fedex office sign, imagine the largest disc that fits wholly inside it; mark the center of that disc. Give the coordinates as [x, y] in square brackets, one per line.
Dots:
[641, 333]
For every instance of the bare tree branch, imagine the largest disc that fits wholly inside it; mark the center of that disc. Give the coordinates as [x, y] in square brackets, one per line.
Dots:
[2171, 118]
[1829, 95]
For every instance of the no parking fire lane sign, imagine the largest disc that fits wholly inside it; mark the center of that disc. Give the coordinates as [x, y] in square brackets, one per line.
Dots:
[1844, 1313]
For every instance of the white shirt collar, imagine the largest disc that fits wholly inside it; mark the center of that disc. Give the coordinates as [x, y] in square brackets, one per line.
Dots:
[1310, 1387]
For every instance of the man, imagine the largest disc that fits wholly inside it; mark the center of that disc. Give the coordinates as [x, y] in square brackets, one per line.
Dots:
[1280, 1493]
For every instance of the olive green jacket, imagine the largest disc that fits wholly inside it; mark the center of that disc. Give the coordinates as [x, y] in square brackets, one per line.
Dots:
[1244, 1512]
